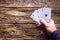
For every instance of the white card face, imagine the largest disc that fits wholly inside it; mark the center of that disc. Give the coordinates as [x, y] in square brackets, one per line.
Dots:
[46, 14]
[40, 13]
[35, 17]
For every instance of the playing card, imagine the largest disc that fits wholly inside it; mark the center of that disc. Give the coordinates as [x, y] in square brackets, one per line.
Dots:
[40, 13]
[35, 17]
[46, 14]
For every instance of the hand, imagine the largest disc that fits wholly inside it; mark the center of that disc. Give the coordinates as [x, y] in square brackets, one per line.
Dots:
[50, 27]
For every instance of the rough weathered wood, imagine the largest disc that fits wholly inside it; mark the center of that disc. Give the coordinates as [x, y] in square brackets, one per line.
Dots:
[28, 31]
[22, 3]
[20, 26]
[13, 16]
[54, 0]
[29, 3]
[18, 9]
[18, 31]
[15, 21]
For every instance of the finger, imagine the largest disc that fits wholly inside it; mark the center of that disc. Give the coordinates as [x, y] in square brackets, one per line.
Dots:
[51, 21]
[43, 21]
[37, 24]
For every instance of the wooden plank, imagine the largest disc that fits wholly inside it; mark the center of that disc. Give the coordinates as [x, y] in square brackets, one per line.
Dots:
[12, 31]
[18, 8]
[22, 3]
[11, 39]
[54, 0]
[24, 9]
[29, 3]
[21, 27]
[22, 31]
[27, 38]
[13, 16]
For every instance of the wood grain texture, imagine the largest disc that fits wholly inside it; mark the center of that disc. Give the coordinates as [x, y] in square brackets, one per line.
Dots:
[15, 21]
[29, 3]
[21, 3]
[18, 31]
[21, 16]
[23, 32]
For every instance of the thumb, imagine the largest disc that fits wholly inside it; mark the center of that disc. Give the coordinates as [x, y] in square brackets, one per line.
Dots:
[43, 21]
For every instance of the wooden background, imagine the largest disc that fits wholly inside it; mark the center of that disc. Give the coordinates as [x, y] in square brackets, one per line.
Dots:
[15, 21]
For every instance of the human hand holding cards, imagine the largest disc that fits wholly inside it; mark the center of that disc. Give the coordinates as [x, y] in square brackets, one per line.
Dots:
[44, 13]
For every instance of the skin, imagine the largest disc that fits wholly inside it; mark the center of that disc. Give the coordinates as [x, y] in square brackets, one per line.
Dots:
[50, 27]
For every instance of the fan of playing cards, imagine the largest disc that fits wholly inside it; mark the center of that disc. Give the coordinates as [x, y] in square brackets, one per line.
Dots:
[44, 13]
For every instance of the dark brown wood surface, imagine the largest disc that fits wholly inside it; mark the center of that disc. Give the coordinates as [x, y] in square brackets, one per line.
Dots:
[15, 21]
